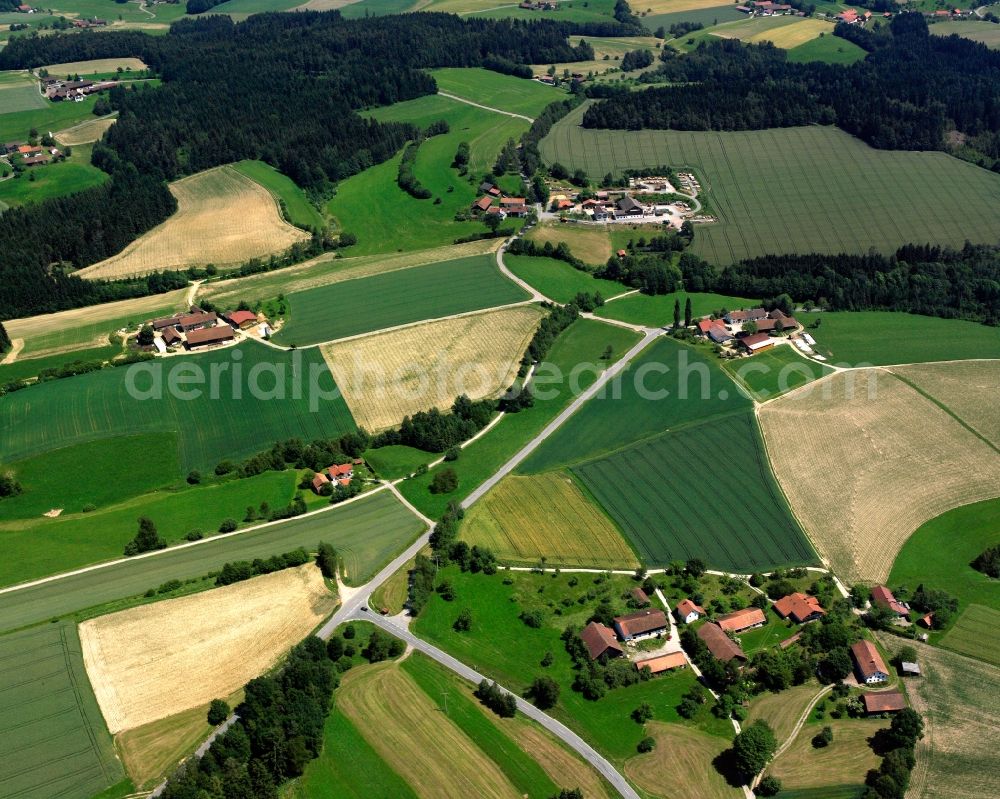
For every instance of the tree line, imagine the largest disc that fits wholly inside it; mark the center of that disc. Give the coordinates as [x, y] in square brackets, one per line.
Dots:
[906, 94]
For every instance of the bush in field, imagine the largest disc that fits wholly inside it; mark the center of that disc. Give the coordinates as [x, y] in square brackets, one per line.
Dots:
[146, 540]
[218, 712]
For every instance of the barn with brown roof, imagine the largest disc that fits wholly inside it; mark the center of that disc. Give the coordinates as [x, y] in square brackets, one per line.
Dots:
[198, 320]
[206, 337]
[884, 598]
[739, 620]
[641, 624]
[868, 662]
[600, 641]
[719, 644]
[640, 596]
[662, 663]
[799, 607]
[883, 701]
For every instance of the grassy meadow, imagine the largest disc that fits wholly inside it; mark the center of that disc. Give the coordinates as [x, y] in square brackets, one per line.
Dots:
[669, 385]
[53, 737]
[296, 206]
[56, 179]
[19, 92]
[15, 125]
[978, 31]
[358, 306]
[259, 395]
[557, 280]
[975, 633]
[505, 92]
[831, 191]
[774, 372]
[881, 338]
[23, 369]
[829, 49]
[366, 533]
[590, 243]
[672, 505]
[658, 310]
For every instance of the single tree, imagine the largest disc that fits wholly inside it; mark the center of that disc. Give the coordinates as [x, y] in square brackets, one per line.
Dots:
[643, 713]
[146, 539]
[687, 312]
[326, 559]
[768, 786]
[464, 621]
[677, 313]
[444, 482]
[544, 692]
[218, 712]
[145, 337]
[752, 749]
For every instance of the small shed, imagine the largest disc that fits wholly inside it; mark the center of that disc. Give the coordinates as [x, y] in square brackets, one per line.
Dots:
[910, 669]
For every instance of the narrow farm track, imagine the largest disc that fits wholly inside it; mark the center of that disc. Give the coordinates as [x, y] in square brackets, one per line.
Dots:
[485, 107]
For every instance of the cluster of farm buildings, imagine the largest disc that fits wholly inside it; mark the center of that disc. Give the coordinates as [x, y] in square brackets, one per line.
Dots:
[645, 199]
[493, 202]
[199, 329]
[750, 331]
[17, 152]
[338, 474]
[768, 9]
[76, 90]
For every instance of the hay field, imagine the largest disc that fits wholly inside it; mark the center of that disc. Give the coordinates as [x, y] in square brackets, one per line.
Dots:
[782, 710]
[819, 180]
[788, 36]
[968, 389]
[975, 633]
[97, 65]
[19, 92]
[562, 766]
[222, 218]
[863, 469]
[844, 762]
[156, 660]
[326, 269]
[613, 48]
[406, 728]
[681, 765]
[525, 518]
[673, 6]
[982, 32]
[85, 132]
[590, 243]
[387, 376]
[959, 699]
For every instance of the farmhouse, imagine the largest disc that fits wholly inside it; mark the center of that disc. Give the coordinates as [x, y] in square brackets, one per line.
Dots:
[658, 665]
[319, 481]
[719, 335]
[927, 620]
[341, 473]
[197, 320]
[798, 607]
[641, 597]
[600, 641]
[626, 206]
[241, 320]
[740, 620]
[706, 325]
[756, 342]
[170, 336]
[882, 597]
[641, 625]
[868, 663]
[687, 611]
[165, 322]
[35, 160]
[883, 702]
[208, 336]
[481, 204]
[740, 317]
[719, 644]
[508, 202]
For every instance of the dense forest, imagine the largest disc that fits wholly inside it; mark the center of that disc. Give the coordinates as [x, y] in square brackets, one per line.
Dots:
[907, 93]
[283, 88]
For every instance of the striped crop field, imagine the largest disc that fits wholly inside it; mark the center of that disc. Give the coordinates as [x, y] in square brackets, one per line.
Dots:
[975, 634]
[703, 492]
[19, 92]
[243, 400]
[795, 190]
[358, 306]
[52, 736]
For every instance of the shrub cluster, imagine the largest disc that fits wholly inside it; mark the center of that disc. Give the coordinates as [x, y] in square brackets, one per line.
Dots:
[501, 702]
[240, 570]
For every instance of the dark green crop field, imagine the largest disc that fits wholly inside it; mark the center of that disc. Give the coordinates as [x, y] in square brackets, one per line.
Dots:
[357, 306]
[703, 492]
[799, 190]
[228, 403]
[52, 735]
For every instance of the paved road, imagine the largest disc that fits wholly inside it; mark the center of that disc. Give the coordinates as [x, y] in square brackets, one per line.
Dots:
[556, 423]
[485, 107]
[560, 730]
[536, 295]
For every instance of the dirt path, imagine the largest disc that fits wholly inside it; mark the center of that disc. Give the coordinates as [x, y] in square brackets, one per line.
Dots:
[16, 345]
[486, 107]
[802, 720]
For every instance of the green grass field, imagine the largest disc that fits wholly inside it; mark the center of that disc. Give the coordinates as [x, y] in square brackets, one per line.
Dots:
[366, 533]
[54, 116]
[515, 95]
[248, 397]
[818, 181]
[19, 92]
[975, 633]
[881, 338]
[668, 386]
[713, 15]
[52, 180]
[983, 32]
[408, 223]
[376, 8]
[397, 460]
[658, 310]
[22, 369]
[703, 492]
[938, 554]
[502, 647]
[242, 8]
[557, 280]
[776, 371]
[52, 735]
[583, 342]
[298, 210]
[424, 292]
[585, 11]
[744, 29]
[829, 49]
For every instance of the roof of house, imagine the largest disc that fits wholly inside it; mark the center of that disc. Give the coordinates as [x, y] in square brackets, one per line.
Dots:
[170, 335]
[239, 318]
[621, 253]
[686, 606]
[719, 335]
[198, 318]
[755, 341]
[704, 325]
[927, 620]
[639, 595]
[320, 480]
[340, 469]
[884, 598]
[166, 321]
[628, 204]
[798, 606]
[31, 160]
[482, 203]
[867, 658]
[883, 701]
[642, 621]
[910, 668]
[719, 644]
[673, 660]
[210, 335]
[741, 619]
[599, 639]
[789, 641]
[512, 201]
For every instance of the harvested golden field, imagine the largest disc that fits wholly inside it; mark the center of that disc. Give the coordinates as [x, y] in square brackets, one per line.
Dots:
[670, 6]
[546, 515]
[327, 269]
[387, 376]
[864, 460]
[783, 710]
[587, 242]
[412, 735]
[562, 766]
[681, 765]
[154, 661]
[612, 48]
[966, 388]
[85, 68]
[85, 132]
[788, 36]
[222, 218]
[959, 699]
[843, 762]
